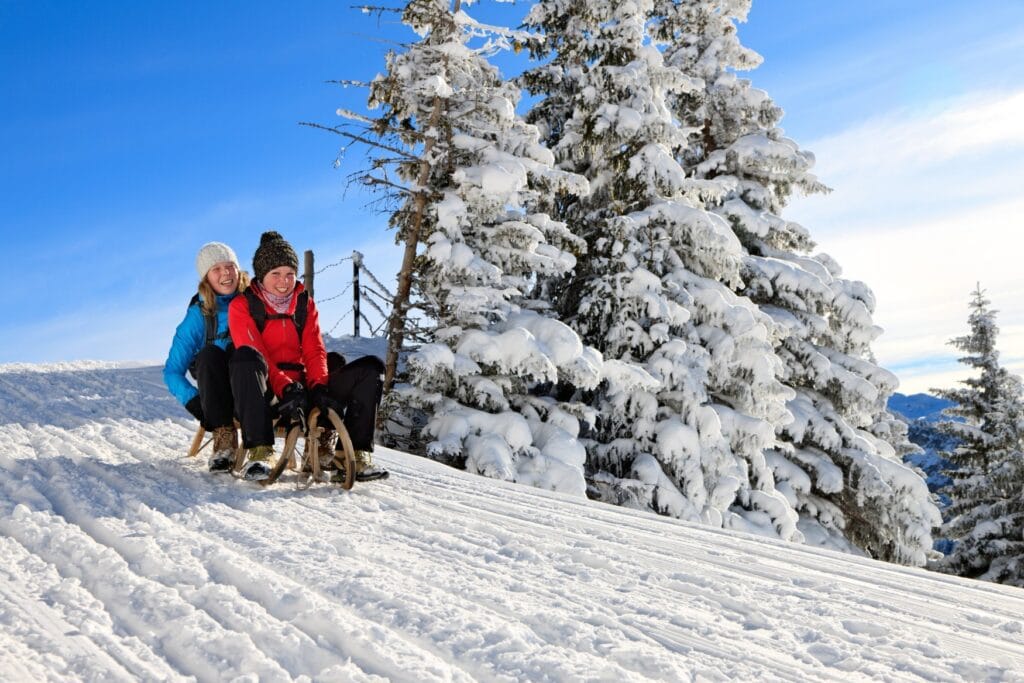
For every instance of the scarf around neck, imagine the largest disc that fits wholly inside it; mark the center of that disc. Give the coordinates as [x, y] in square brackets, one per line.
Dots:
[279, 303]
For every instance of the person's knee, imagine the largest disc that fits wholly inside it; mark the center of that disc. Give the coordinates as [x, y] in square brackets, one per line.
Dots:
[362, 371]
[335, 362]
[368, 364]
[248, 356]
[211, 355]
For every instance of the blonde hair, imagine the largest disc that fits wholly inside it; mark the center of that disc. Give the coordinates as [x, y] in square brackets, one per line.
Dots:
[209, 297]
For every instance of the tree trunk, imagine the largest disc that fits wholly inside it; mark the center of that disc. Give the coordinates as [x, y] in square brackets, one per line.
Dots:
[400, 307]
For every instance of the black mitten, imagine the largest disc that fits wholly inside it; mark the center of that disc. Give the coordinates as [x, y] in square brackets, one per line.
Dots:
[292, 407]
[322, 399]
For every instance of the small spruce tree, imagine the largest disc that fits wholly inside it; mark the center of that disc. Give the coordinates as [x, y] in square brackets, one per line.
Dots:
[985, 518]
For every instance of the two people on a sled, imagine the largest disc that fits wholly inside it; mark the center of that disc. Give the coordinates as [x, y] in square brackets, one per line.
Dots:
[257, 354]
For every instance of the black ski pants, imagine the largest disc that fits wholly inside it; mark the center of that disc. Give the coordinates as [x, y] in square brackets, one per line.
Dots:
[252, 397]
[210, 370]
[356, 387]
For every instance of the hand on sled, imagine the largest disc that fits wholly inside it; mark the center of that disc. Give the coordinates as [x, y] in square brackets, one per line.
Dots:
[321, 398]
[292, 407]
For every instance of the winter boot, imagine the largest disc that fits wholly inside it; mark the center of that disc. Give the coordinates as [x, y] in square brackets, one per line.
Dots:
[365, 469]
[260, 462]
[225, 441]
[326, 443]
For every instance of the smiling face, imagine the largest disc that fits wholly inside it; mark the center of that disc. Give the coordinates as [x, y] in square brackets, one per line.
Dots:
[223, 277]
[280, 280]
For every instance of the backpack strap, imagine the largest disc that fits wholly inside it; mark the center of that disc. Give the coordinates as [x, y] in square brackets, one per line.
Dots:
[259, 314]
[257, 310]
[210, 321]
[301, 309]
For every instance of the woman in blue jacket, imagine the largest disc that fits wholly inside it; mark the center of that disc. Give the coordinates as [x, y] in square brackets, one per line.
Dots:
[202, 348]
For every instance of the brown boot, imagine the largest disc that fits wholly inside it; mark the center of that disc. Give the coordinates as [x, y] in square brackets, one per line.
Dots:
[326, 443]
[225, 441]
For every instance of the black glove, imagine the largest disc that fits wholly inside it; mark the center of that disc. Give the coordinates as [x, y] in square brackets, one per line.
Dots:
[292, 407]
[322, 399]
[195, 407]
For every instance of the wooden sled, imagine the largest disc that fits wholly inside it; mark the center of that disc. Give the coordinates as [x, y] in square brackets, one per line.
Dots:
[197, 442]
[343, 457]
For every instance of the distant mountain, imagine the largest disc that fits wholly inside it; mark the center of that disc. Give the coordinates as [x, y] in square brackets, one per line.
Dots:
[921, 412]
[919, 406]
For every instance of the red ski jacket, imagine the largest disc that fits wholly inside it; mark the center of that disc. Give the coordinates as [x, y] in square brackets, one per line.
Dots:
[304, 360]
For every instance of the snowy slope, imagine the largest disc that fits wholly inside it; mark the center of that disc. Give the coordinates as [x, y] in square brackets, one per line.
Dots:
[120, 560]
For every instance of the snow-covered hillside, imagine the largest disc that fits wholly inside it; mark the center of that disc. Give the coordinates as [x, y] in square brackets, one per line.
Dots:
[120, 560]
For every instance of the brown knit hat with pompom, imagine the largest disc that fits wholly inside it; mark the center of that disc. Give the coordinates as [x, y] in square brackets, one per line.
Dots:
[273, 252]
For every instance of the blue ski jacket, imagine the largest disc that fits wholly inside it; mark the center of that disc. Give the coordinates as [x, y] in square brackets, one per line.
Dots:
[189, 339]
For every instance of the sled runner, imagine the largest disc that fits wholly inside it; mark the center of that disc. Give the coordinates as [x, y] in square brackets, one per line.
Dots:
[342, 458]
[197, 442]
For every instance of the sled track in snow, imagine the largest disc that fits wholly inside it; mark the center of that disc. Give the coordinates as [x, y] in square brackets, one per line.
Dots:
[120, 560]
[279, 603]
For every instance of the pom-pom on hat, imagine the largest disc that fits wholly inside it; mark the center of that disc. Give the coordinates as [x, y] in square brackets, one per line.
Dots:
[273, 252]
[212, 253]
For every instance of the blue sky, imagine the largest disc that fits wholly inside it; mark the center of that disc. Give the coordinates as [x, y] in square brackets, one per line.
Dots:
[135, 132]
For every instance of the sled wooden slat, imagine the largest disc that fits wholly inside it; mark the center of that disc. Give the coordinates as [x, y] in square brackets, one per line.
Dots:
[348, 452]
[345, 458]
[287, 455]
[197, 442]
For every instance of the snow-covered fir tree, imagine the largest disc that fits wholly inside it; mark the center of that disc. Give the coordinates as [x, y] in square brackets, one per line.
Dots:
[472, 184]
[691, 397]
[839, 459]
[985, 518]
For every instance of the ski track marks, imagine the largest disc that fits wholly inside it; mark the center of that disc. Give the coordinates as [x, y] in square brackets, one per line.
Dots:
[122, 560]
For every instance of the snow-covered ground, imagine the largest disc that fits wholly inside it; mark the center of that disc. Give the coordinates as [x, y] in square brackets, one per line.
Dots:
[121, 560]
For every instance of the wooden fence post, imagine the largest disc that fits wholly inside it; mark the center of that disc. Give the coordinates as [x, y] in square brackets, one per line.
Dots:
[357, 261]
[307, 277]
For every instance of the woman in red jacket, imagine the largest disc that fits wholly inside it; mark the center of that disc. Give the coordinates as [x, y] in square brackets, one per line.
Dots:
[282, 365]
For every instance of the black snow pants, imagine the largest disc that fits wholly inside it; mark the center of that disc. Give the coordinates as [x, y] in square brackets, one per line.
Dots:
[252, 397]
[210, 370]
[357, 387]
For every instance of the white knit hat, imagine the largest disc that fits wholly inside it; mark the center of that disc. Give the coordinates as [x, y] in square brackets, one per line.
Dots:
[213, 253]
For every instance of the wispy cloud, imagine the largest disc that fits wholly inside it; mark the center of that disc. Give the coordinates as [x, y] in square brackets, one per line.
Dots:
[926, 205]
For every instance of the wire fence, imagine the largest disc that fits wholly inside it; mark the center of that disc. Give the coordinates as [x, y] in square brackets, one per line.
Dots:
[373, 295]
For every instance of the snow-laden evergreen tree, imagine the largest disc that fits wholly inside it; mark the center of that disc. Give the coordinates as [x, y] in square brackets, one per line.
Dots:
[691, 397]
[985, 518]
[839, 458]
[472, 172]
